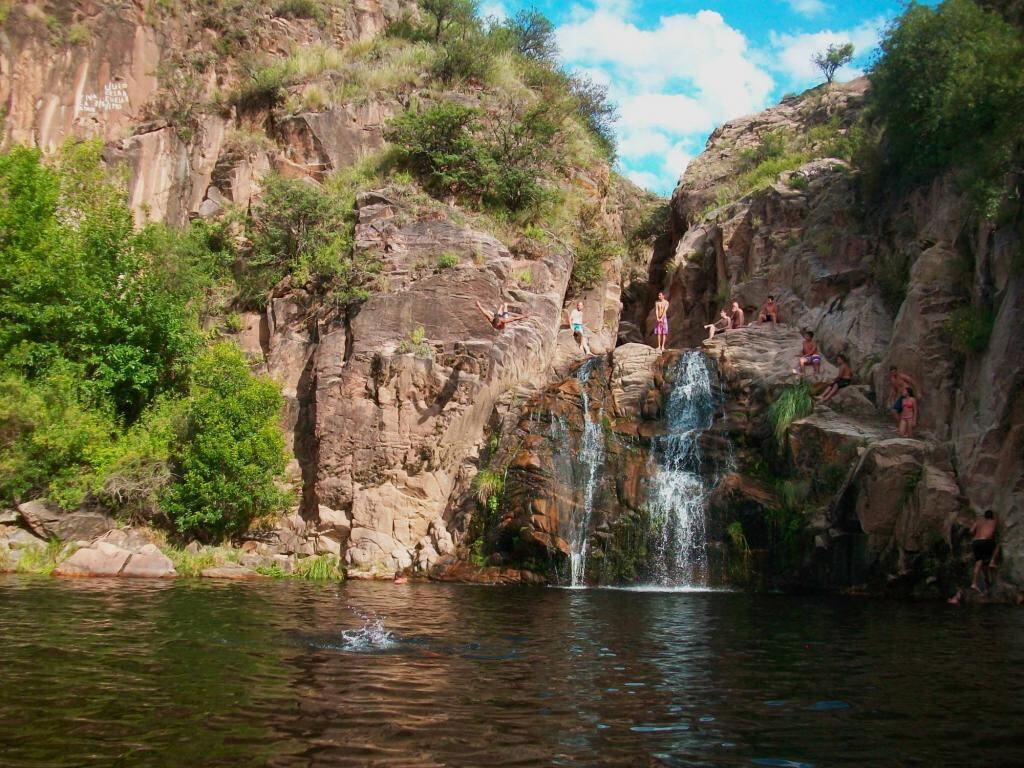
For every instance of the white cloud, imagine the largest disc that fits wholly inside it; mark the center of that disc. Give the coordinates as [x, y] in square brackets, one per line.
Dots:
[493, 10]
[792, 53]
[645, 179]
[807, 7]
[674, 83]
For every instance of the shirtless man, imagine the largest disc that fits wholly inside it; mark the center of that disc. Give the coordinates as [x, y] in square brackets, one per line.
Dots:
[722, 324]
[736, 318]
[770, 312]
[500, 317]
[983, 545]
[579, 331]
[898, 381]
[809, 354]
[661, 320]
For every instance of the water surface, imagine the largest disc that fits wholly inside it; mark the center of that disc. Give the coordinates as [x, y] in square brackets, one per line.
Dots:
[128, 673]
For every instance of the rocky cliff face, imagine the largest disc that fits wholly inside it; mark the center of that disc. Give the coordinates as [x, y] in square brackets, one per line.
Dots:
[809, 237]
[388, 407]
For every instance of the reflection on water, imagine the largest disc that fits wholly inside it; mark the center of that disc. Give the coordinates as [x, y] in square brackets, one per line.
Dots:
[289, 674]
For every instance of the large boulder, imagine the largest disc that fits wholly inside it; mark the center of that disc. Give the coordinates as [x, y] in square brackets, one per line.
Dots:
[104, 559]
[149, 563]
[49, 521]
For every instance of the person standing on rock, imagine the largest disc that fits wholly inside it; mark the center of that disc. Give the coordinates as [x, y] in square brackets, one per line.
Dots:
[908, 413]
[500, 317]
[898, 381]
[737, 318]
[661, 320]
[579, 331]
[983, 546]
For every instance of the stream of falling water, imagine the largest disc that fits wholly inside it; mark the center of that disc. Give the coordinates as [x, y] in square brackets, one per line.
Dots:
[590, 458]
[678, 495]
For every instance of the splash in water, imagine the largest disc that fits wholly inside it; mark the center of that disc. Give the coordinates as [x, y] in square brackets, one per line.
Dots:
[372, 636]
[679, 492]
[589, 458]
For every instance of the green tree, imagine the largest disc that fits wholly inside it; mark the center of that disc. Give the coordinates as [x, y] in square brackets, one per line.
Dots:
[232, 453]
[77, 284]
[949, 87]
[448, 13]
[533, 35]
[596, 110]
[832, 58]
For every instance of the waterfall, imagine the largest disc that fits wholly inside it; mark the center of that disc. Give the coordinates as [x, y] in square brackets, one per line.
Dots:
[678, 491]
[589, 459]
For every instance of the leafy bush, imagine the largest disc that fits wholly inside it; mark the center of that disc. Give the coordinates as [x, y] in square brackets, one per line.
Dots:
[447, 260]
[793, 403]
[950, 88]
[892, 275]
[970, 329]
[300, 9]
[488, 486]
[231, 453]
[464, 59]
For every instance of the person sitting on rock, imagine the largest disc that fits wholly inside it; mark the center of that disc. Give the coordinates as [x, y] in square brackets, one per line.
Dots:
[500, 317]
[723, 324]
[897, 382]
[844, 379]
[983, 546]
[579, 330]
[661, 321]
[737, 319]
[770, 312]
[908, 412]
[809, 354]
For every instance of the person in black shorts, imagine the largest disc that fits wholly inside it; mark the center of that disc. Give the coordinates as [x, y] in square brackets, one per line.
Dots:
[983, 545]
[844, 379]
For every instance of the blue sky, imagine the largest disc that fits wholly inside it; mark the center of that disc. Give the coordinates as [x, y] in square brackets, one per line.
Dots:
[677, 69]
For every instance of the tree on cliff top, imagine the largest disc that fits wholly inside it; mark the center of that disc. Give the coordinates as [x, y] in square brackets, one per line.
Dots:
[832, 58]
[446, 13]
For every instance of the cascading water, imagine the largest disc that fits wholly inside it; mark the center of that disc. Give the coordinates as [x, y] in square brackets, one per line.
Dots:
[679, 492]
[589, 459]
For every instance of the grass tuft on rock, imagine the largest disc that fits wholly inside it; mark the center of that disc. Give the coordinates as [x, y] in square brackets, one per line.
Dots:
[793, 403]
[319, 568]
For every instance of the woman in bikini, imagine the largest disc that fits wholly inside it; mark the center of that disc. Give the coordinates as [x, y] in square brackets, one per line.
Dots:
[908, 413]
[579, 330]
[844, 379]
[500, 317]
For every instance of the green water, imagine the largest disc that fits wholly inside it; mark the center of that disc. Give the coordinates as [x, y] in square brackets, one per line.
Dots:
[124, 673]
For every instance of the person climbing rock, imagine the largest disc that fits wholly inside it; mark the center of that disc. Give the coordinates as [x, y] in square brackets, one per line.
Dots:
[983, 546]
[579, 330]
[908, 412]
[722, 324]
[809, 354]
[661, 320]
[500, 317]
[844, 379]
[736, 318]
[897, 382]
[770, 312]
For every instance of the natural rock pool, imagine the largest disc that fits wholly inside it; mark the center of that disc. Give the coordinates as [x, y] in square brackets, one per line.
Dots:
[296, 674]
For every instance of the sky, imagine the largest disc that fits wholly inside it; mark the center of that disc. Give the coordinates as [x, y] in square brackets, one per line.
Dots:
[677, 69]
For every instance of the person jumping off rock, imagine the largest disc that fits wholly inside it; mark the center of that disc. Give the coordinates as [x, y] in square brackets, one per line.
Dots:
[500, 317]
[661, 321]
[579, 331]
